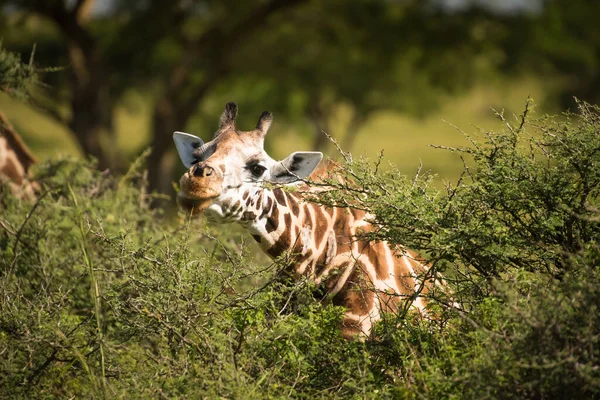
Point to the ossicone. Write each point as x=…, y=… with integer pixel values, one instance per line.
x=264, y=122
x=229, y=115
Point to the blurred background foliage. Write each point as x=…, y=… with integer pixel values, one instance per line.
x=375, y=74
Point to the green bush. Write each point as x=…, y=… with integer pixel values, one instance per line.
x=16, y=78
x=103, y=296
x=517, y=240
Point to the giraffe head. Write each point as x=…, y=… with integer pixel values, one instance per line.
x=233, y=166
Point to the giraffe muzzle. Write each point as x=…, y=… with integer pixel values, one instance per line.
x=199, y=187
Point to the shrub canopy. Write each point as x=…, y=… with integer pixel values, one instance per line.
x=102, y=296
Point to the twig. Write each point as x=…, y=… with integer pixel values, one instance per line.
x=347, y=156
x=524, y=115
x=27, y=217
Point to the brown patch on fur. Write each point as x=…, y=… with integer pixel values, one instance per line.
x=404, y=279
x=257, y=238
x=320, y=228
x=293, y=203
x=272, y=222
x=322, y=233
x=319, y=267
x=329, y=211
x=343, y=235
x=376, y=253
x=388, y=302
x=273, y=251
x=418, y=265
x=302, y=258
x=321, y=263
x=281, y=246
x=325, y=170
x=350, y=328
x=267, y=209
x=355, y=295
x=358, y=215
x=308, y=217
x=280, y=196
x=286, y=235
x=248, y=216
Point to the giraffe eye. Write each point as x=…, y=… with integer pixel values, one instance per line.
x=257, y=170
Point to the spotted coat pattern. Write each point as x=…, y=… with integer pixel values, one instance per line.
x=225, y=182
x=324, y=245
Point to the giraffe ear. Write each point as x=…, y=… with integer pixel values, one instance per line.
x=298, y=165
x=186, y=144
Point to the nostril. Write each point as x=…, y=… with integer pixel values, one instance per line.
x=198, y=170
x=202, y=171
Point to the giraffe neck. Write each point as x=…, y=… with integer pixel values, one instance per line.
x=321, y=244
x=311, y=234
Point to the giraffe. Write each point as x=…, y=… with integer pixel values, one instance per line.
x=15, y=161
x=232, y=179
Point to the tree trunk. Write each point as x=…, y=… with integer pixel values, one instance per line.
x=91, y=123
x=171, y=114
x=161, y=160
x=91, y=116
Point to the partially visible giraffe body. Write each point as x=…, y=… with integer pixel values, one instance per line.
x=324, y=245
x=15, y=161
x=226, y=181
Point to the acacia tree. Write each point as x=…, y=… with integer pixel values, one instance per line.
x=186, y=47
x=369, y=54
x=90, y=102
